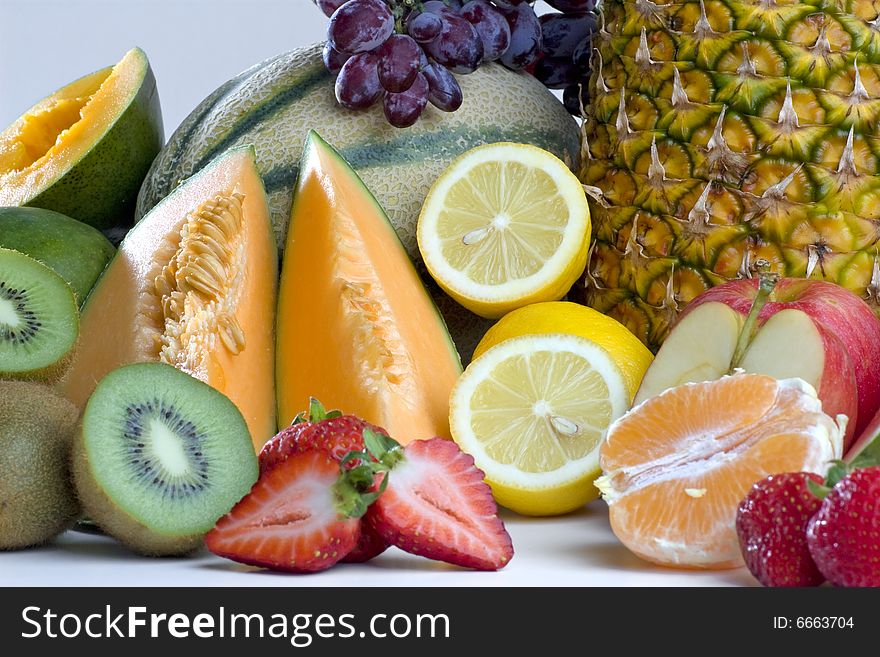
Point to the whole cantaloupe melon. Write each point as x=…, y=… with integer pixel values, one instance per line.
x=274, y=105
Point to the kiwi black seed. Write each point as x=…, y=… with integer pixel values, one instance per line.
x=159, y=457
x=39, y=319
x=37, y=500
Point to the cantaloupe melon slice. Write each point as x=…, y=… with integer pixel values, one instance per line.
x=356, y=328
x=193, y=285
x=84, y=150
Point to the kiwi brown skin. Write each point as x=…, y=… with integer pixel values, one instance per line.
x=114, y=520
x=37, y=500
x=49, y=375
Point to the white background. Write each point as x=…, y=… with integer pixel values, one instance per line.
x=194, y=46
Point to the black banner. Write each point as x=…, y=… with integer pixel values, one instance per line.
x=280, y=621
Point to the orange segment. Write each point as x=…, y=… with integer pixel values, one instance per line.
x=676, y=467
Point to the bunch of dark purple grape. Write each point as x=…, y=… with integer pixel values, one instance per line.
x=405, y=52
x=566, y=50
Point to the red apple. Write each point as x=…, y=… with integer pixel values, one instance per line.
x=810, y=329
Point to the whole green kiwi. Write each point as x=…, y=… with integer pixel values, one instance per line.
x=37, y=500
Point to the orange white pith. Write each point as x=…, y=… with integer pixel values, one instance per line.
x=676, y=466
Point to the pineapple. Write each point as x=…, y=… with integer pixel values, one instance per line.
x=723, y=136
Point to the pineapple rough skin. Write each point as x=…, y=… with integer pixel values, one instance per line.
x=726, y=133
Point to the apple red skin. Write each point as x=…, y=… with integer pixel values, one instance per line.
x=831, y=307
x=839, y=392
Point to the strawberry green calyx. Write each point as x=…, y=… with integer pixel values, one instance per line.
x=317, y=413
x=383, y=449
x=356, y=488
x=839, y=470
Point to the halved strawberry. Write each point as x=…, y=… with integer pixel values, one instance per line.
x=296, y=518
x=436, y=504
x=336, y=435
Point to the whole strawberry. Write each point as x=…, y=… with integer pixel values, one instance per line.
x=336, y=435
x=328, y=431
x=844, y=536
x=771, y=523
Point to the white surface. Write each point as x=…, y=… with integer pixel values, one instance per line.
x=194, y=46
x=575, y=550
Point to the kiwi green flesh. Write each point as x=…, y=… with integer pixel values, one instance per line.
x=37, y=500
x=39, y=319
x=160, y=456
x=118, y=524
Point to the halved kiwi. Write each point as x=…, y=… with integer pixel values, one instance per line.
x=39, y=319
x=37, y=501
x=159, y=457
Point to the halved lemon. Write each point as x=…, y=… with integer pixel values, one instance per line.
x=533, y=411
x=504, y=226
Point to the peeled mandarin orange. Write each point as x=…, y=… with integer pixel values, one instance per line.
x=676, y=466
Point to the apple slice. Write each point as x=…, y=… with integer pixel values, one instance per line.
x=699, y=348
x=790, y=345
x=702, y=347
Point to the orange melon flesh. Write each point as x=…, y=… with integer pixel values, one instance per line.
x=53, y=135
x=356, y=327
x=193, y=285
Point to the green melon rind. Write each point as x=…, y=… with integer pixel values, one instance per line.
x=98, y=471
x=74, y=250
x=101, y=188
x=274, y=104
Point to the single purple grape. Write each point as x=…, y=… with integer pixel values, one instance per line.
x=491, y=26
x=439, y=8
x=360, y=26
x=399, y=59
x=583, y=54
x=458, y=46
x=444, y=93
x=357, y=85
x=561, y=33
x=525, y=37
x=423, y=27
x=333, y=60
x=329, y=6
x=404, y=108
x=556, y=72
